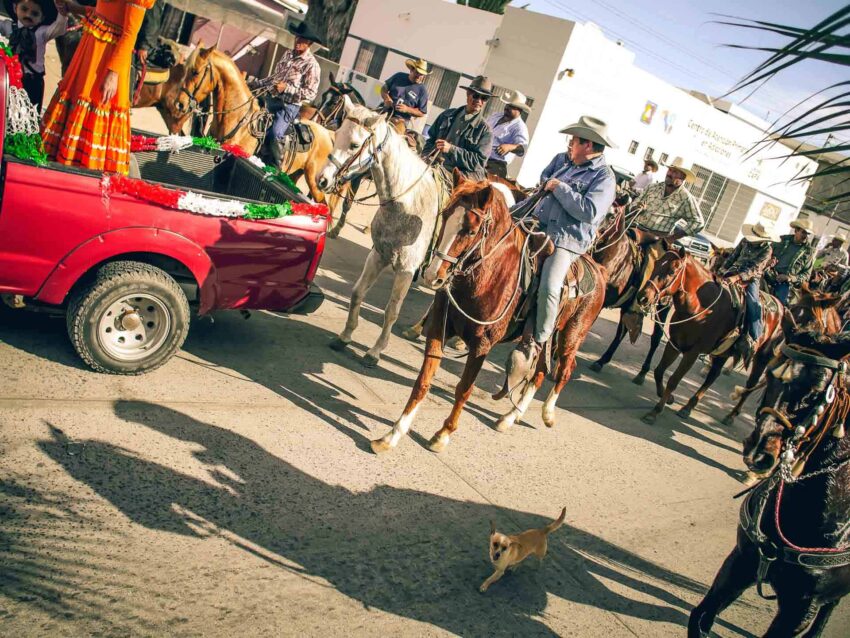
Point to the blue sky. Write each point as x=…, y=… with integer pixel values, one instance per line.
x=678, y=42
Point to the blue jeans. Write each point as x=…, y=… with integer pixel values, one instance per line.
x=553, y=275
x=781, y=292
x=753, y=311
x=283, y=118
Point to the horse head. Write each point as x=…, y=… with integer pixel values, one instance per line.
x=357, y=143
x=667, y=277
x=331, y=109
x=802, y=382
x=815, y=312
x=199, y=79
x=476, y=217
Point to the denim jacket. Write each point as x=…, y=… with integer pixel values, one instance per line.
x=573, y=212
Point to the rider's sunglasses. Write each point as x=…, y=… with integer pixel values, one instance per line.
x=478, y=96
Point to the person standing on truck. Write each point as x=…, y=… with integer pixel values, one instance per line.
x=146, y=41
x=87, y=123
x=34, y=23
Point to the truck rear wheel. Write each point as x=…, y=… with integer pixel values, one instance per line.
x=131, y=319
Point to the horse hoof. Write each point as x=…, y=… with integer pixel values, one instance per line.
x=729, y=419
x=549, y=420
x=369, y=360
x=456, y=343
x=438, y=443
x=684, y=412
x=649, y=418
x=596, y=367
x=639, y=379
x=338, y=344
x=412, y=333
x=670, y=400
x=379, y=446
x=504, y=424
x=368, y=230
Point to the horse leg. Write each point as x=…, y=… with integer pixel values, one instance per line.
x=606, y=357
x=654, y=340
x=760, y=361
x=371, y=269
x=737, y=573
x=413, y=332
x=507, y=421
x=688, y=359
x=795, y=617
x=345, y=192
x=669, y=356
x=565, y=370
x=713, y=372
x=401, y=284
x=316, y=193
x=819, y=625
x=430, y=365
x=463, y=390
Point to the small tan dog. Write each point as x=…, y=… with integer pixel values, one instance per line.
x=509, y=551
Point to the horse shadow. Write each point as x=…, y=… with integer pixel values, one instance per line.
x=410, y=553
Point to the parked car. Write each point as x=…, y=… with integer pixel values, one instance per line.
x=125, y=271
x=699, y=246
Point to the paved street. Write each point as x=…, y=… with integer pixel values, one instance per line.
x=233, y=491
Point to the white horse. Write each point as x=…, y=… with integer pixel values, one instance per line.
x=410, y=199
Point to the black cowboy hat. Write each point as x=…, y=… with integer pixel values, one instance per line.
x=48, y=10
x=480, y=85
x=304, y=30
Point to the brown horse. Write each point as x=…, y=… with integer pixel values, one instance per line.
x=702, y=320
x=476, y=272
x=813, y=312
x=793, y=531
x=621, y=251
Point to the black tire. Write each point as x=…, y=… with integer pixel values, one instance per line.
x=114, y=281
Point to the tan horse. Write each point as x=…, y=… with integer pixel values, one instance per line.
x=211, y=72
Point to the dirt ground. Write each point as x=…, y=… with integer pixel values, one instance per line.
x=233, y=492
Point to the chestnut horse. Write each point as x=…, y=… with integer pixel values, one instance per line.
x=793, y=530
x=813, y=312
x=621, y=251
x=703, y=318
x=477, y=271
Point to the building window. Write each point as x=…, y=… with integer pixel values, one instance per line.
x=663, y=158
x=441, y=85
x=633, y=147
x=370, y=59
x=649, y=153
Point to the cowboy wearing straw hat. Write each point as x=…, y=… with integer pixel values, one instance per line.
x=834, y=254
x=510, y=134
x=794, y=260
x=461, y=135
x=580, y=189
x=295, y=80
x=405, y=94
x=745, y=266
x=667, y=208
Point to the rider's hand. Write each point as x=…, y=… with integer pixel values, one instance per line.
x=402, y=108
x=280, y=86
x=733, y=279
x=504, y=149
x=552, y=184
x=443, y=146
x=110, y=86
x=143, y=55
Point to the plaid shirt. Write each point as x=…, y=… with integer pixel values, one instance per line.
x=660, y=213
x=301, y=74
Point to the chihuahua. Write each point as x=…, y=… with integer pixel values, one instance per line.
x=509, y=551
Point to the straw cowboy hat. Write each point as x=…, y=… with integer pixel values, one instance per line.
x=516, y=100
x=590, y=128
x=758, y=232
x=678, y=164
x=480, y=85
x=840, y=237
x=803, y=224
x=304, y=30
x=420, y=66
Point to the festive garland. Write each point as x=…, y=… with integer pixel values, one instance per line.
x=23, y=139
x=177, y=143
x=197, y=203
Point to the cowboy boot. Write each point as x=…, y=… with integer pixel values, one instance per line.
x=520, y=366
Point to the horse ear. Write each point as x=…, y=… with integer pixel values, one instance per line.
x=457, y=177
x=332, y=77
x=347, y=104
x=683, y=252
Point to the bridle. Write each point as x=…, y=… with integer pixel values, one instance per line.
x=673, y=286
x=194, y=103
x=355, y=166
x=323, y=118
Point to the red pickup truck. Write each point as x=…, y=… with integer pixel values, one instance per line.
x=126, y=271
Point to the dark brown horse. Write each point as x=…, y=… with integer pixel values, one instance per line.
x=794, y=531
x=703, y=319
x=621, y=251
x=813, y=312
x=476, y=272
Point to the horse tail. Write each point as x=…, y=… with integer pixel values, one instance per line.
x=551, y=527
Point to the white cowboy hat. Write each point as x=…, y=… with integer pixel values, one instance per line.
x=678, y=164
x=803, y=224
x=840, y=237
x=420, y=66
x=516, y=100
x=590, y=128
x=758, y=232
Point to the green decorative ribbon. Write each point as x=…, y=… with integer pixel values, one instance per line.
x=280, y=176
x=207, y=143
x=27, y=147
x=267, y=211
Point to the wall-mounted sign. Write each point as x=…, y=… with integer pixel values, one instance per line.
x=648, y=112
x=770, y=211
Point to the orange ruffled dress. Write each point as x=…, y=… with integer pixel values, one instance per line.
x=79, y=128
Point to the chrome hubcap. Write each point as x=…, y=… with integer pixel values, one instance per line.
x=134, y=327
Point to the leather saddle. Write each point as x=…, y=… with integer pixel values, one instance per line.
x=160, y=61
